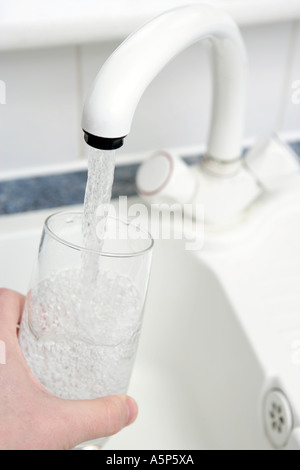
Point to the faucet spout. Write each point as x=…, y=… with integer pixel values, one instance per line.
x=118, y=87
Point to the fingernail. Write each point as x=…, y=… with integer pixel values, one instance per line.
x=132, y=410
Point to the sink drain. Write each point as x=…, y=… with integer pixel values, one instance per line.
x=278, y=418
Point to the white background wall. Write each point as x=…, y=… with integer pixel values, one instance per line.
x=46, y=86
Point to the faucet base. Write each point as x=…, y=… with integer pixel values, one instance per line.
x=221, y=168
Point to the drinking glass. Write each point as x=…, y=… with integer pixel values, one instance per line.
x=83, y=313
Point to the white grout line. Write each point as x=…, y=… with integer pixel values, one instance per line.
x=81, y=164
x=125, y=159
x=32, y=172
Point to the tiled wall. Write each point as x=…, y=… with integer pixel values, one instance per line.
x=45, y=89
x=291, y=118
x=39, y=122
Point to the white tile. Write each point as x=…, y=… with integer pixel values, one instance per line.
x=34, y=23
x=267, y=48
x=92, y=57
x=174, y=110
x=291, y=122
x=40, y=120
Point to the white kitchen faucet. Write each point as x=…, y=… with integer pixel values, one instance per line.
x=224, y=183
x=111, y=104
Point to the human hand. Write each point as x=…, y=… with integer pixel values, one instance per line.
x=33, y=419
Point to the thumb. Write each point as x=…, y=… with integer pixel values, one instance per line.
x=92, y=419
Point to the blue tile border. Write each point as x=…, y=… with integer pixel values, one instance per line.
x=66, y=189
x=296, y=147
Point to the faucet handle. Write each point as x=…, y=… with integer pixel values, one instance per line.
x=165, y=178
x=272, y=162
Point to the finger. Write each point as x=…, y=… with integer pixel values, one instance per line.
x=11, y=307
x=92, y=419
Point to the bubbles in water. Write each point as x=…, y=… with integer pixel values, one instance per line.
x=76, y=352
x=98, y=193
x=101, y=166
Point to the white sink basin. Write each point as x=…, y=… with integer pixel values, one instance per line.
x=219, y=330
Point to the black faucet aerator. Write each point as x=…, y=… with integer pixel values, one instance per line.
x=103, y=143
